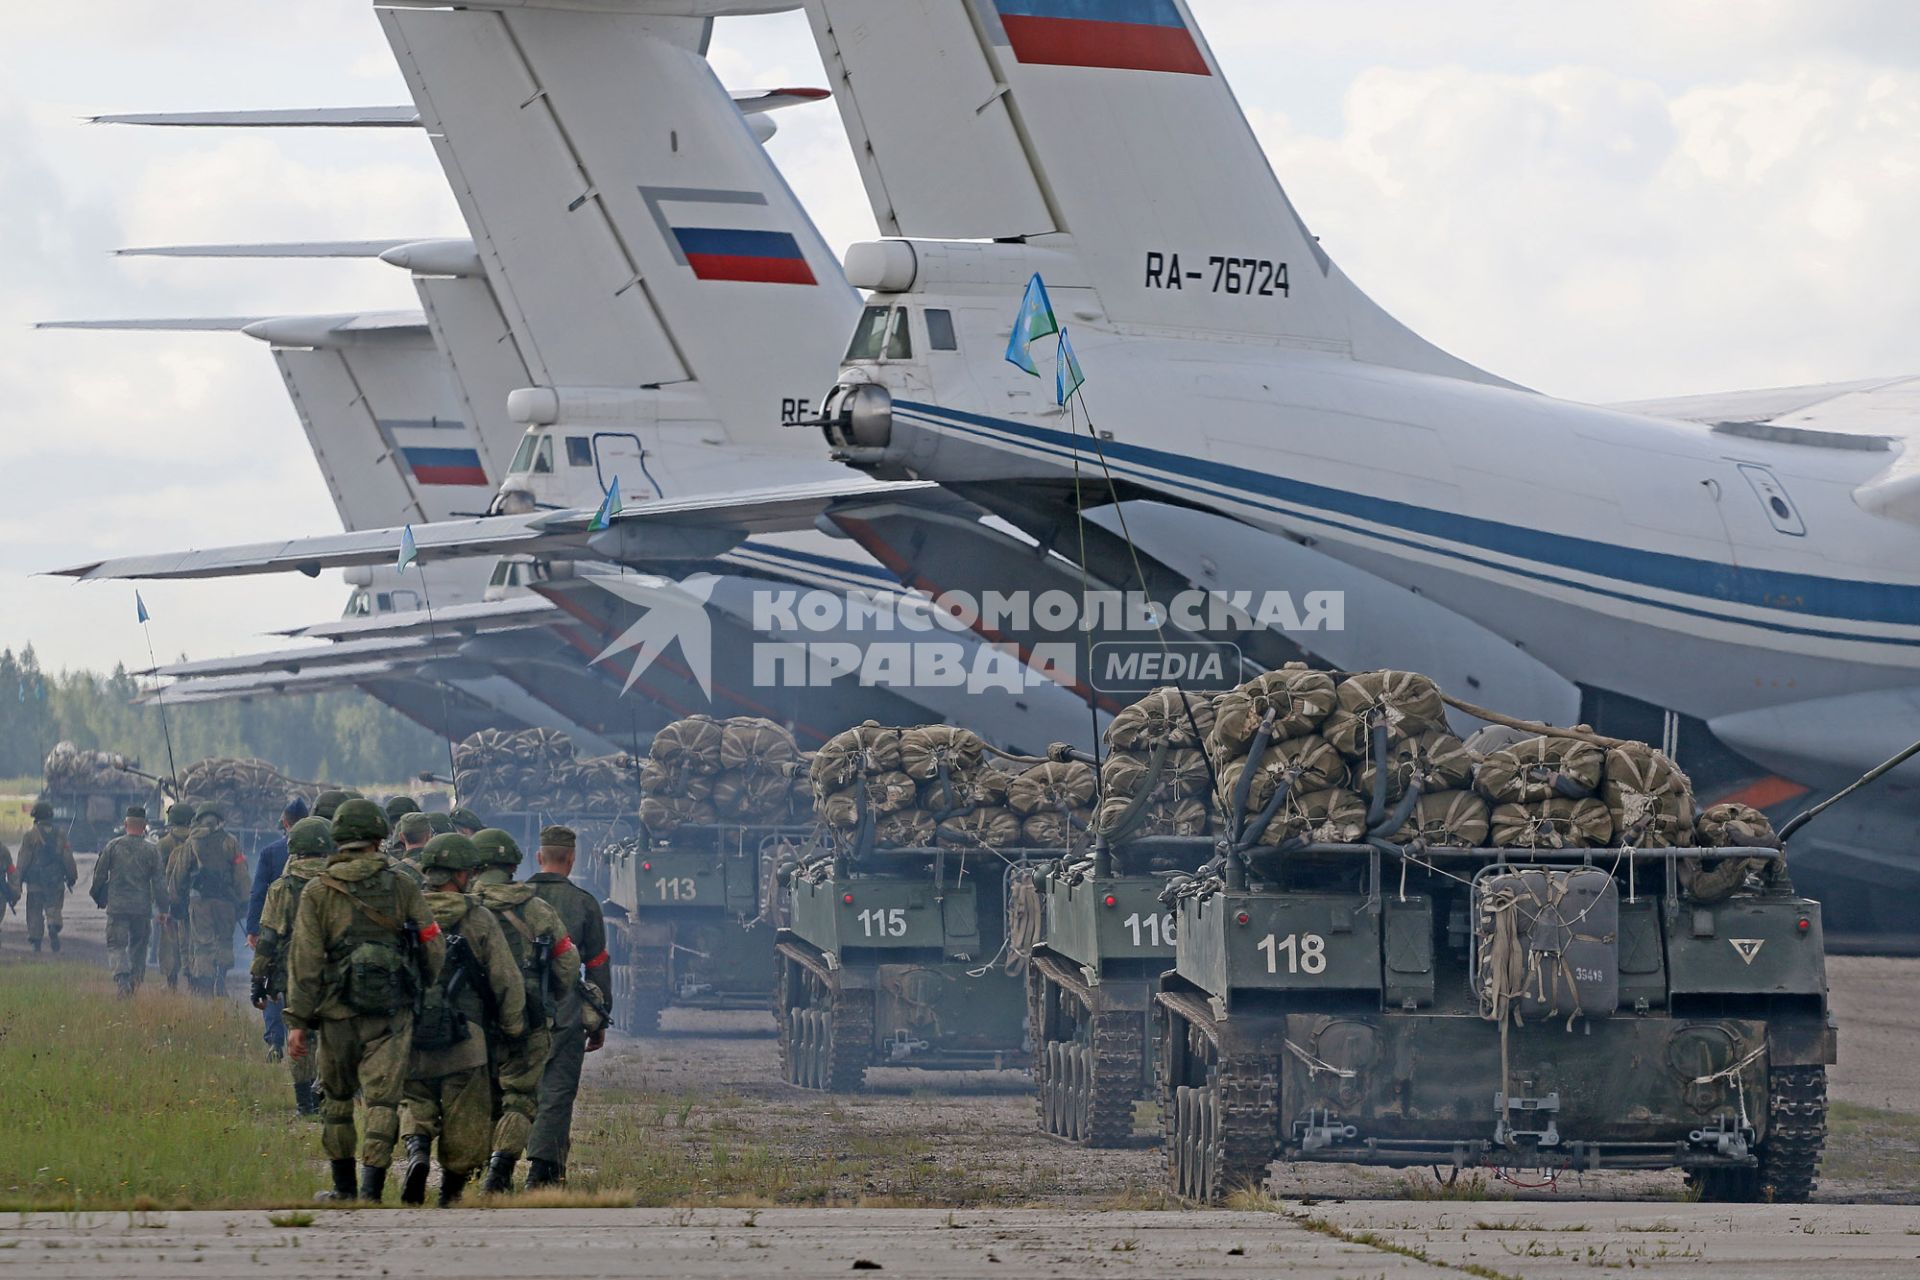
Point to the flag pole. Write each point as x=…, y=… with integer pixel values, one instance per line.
x=410, y=555
x=166, y=729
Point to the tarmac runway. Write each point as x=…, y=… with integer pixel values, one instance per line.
x=1334, y=1240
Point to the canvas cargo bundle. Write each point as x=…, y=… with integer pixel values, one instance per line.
x=1307, y=763
x=1437, y=759
x=1547, y=944
x=251, y=792
x=664, y=813
x=1183, y=772
x=1548, y=767
x=993, y=828
x=1735, y=826
x=1055, y=830
x=678, y=777
x=926, y=750
x=752, y=797
x=985, y=788
x=1448, y=819
x=751, y=745
x=691, y=745
x=863, y=750
x=1169, y=715
x=907, y=829
x=533, y=770
x=1183, y=817
x=1650, y=799
x=1053, y=786
x=1331, y=815
x=1299, y=698
x=1406, y=702
x=72, y=770
x=1553, y=824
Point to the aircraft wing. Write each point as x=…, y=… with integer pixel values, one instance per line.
x=351, y=653
x=649, y=532
x=465, y=619
x=226, y=688
x=750, y=101
x=1764, y=405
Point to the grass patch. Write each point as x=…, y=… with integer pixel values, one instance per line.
x=1870, y=1145
x=161, y=1102
x=291, y=1218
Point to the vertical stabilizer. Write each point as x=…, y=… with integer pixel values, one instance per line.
x=1103, y=128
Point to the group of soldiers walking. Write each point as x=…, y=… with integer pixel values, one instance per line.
x=412, y=970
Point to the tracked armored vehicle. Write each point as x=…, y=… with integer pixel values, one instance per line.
x=1389, y=1005
x=1091, y=979
x=690, y=920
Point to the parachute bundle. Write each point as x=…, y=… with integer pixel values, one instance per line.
x=539, y=771
x=250, y=792
x=1649, y=799
x=1054, y=802
x=1156, y=779
x=701, y=771
x=72, y=770
x=933, y=784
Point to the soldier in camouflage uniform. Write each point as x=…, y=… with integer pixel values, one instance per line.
x=309, y=844
x=580, y=1025
x=410, y=836
x=46, y=871
x=466, y=822
x=209, y=874
x=364, y=944
x=448, y=1090
x=9, y=896
x=129, y=881
x=170, y=929
x=549, y=964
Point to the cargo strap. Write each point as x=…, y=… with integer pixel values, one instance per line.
x=378, y=917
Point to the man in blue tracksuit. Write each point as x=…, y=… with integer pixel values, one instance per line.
x=268, y=865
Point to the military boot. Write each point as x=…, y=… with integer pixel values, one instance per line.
x=542, y=1173
x=343, y=1189
x=500, y=1173
x=451, y=1185
x=373, y=1183
x=413, y=1178
x=53, y=939
x=123, y=986
x=36, y=944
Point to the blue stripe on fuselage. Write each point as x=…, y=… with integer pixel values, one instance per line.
x=1825, y=598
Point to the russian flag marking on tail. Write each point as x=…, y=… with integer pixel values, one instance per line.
x=1129, y=35
x=754, y=257
x=446, y=466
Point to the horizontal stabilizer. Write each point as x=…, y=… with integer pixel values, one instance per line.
x=675, y=529
x=400, y=117
x=305, y=658
x=161, y=324
x=225, y=688
x=292, y=249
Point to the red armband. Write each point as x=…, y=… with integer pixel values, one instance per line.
x=239, y=859
x=597, y=961
x=561, y=947
x=431, y=932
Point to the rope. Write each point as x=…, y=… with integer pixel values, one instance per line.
x=1316, y=1066
x=1534, y=726
x=1735, y=1069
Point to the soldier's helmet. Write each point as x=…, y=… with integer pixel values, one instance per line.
x=400, y=806
x=359, y=822
x=207, y=817
x=179, y=814
x=497, y=848
x=42, y=811
x=450, y=852
x=309, y=838
x=466, y=820
x=327, y=803
x=441, y=823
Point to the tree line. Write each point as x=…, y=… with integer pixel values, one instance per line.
x=346, y=735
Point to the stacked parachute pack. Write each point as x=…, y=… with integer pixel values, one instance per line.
x=1156, y=780
x=700, y=771
x=72, y=770
x=251, y=793
x=537, y=771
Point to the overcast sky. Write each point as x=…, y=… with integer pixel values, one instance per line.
x=1603, y=200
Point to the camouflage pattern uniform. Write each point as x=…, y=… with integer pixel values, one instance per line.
x=309, y=842
x=575, y=1019
x=360, y=923
x=210, y=875
x=531, y=928
x=9, y=894
x=448, y=1092
x=410, y=835
x=130, y=881
x=46, y=870
x=170, y=930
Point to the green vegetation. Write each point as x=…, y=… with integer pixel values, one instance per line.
x=312, y=736
x=156, y=1103
x=1866, y=1144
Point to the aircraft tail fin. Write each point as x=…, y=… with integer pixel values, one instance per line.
x=635, y=233
x=1104, y=128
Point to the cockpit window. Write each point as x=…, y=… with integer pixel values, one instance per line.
x=579, y=451
x=502, y=574
x=881, y=328
x=359, y=605
x=940, y=330
x=543, y=458
x=523, y=456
